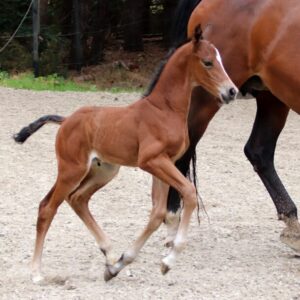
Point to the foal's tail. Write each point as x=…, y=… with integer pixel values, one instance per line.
x=27, y=131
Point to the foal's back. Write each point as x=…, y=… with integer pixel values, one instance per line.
x=116, y=134
x=97, y=129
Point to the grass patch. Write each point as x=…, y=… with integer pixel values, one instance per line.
x=57, y=83
x=118, y=90
x=49, y=83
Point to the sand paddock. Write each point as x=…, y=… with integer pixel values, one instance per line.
x=234, y=255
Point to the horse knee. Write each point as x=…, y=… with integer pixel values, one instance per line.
x=260, y=157
x=77, y=201
x=157, y=218
x=44, y=209
x=45, y=214
x=189, y=196
x=161, y=215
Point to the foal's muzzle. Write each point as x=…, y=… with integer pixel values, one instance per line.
x=229, y=94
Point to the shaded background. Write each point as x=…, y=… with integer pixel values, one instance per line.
x=103, y=25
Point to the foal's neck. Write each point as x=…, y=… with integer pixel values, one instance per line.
x=174, y=87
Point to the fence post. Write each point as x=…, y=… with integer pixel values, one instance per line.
x=36, y=32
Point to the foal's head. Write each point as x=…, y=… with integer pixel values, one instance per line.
x=208, y=70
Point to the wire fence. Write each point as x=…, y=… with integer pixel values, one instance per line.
x=19, y=26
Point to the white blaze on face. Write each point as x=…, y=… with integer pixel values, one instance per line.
x=224, y=85
x=219, y=59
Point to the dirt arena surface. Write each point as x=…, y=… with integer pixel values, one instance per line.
x=236, y=254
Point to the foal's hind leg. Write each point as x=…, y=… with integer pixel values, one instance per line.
x=47, y=211
x=159, y=200
x=98, y=177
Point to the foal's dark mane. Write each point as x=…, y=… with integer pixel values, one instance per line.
x=161, y=66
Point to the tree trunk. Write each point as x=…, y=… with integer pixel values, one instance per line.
x=168, y=15
x=133, y=25
x=77, y=43
x=99, y=29
x=44, y=12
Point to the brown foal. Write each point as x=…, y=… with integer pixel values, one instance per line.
x=151, y=133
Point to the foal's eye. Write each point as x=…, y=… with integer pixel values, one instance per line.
x=207, y=64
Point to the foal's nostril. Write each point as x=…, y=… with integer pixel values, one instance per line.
x=229, y=95
x=232, y=92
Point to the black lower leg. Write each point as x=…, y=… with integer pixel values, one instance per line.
x=270, y=119
x=284, y=204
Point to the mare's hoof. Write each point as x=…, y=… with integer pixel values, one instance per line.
x=164, y=268
x=291, y=238
x=109, y=273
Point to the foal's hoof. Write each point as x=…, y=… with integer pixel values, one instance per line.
x=109, y=273
x=37, y=278
x=164, y=268
x=169, y=243
x=291, y=238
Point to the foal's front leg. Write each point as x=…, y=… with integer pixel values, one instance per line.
x=164, y=169
x=158, y=213
x=171, y=220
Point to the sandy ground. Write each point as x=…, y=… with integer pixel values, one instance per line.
x=235, y=255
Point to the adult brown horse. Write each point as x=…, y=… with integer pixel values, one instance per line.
x=259, y=41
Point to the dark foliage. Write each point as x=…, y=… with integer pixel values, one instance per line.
x=99, y=22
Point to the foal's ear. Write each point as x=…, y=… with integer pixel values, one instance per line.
x=198, y=35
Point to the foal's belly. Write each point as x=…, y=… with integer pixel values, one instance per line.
x=118, y=150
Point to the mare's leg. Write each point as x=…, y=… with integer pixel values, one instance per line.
x=48, y=207
x=202, y=110
x=164, y=169
x=158, y=213
x=270, y=120
x=99, y=175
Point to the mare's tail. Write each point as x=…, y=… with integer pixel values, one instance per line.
x=181, y=18
x=27, y=131
x=178, y=36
